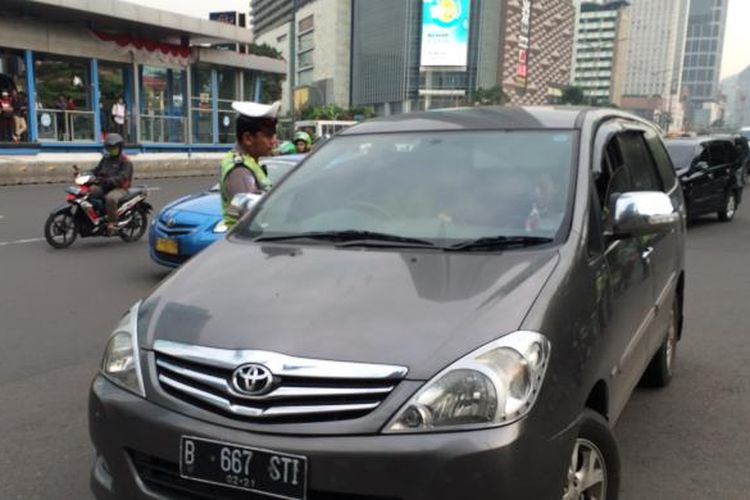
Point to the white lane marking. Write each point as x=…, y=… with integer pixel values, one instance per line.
x=20, y=242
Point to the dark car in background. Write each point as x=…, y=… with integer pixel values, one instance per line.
x=710, y=171
x=432, y=306
x=189, y=224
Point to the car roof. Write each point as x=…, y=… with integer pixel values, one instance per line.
x=697, y=141
x=475, y=118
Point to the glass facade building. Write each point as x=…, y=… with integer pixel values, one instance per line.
x=703, y=53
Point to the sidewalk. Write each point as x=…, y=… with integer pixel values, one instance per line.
x=57, y=167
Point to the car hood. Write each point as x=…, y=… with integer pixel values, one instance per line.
x=421, y=310
x=205, y=203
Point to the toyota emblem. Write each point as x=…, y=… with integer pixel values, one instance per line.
x=252, y=379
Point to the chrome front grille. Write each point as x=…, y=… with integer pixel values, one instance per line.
x=176, y=229
x=304, y=389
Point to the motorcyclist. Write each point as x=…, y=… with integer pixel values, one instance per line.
x=113, y=176
x=286, y=148
x=302, y=141
x=256, y=137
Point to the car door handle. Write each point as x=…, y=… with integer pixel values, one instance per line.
x=646, y=253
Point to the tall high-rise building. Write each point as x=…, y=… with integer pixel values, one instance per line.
x=600, y=49
x=656, y=45
x=418, y=54
x=322, y=49
x=703, y=50
x=270, y=14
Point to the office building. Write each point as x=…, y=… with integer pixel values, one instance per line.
x=322, y=47
x=702, y=63
x=413, y=55
x=270, y=14
x=656, y=43
x=600, y=49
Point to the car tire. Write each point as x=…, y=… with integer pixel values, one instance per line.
x=60, y=229
x=600, y=479
x=726, y=214
x=661, y=368
x=136, y=227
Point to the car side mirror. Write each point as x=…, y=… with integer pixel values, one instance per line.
x=242, y=203
x=639, y=213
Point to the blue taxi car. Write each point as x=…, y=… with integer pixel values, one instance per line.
x=189, y=224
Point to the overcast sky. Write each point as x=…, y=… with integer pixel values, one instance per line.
x=736, y=49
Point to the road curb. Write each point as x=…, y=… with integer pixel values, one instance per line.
x=45, y=172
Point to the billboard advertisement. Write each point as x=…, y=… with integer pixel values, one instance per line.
x=224, y=17
x=524, y=44
x=445, y=33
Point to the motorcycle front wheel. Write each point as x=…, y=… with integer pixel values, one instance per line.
x=135, y=228
x=60, y=229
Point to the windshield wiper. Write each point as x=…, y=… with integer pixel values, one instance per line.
x=499, y=243
x=351, y=237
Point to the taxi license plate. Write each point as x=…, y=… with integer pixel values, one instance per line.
x=252, y=469
x=165, y=245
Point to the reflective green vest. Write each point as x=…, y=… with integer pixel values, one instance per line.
x=233, y=160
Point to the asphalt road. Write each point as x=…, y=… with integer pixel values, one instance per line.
x=57, y=308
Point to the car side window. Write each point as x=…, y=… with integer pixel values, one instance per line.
x=640, y=164
x=662, y=159
x=717, y=153
x=613, y=179
x=703, y=156
x=730, y=152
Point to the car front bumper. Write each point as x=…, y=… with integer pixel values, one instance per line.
x=188, y=244
x=137, y=454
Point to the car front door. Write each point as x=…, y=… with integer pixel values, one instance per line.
x=721, y=172
x=629, y=284
x=697, y=182
x=665, y=247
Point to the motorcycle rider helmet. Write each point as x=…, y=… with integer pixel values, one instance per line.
x=304, y=137
x=113, y=144
x=286, y=148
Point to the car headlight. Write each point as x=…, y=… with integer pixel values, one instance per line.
x=494, y=385
x=220, y=227
x=121, y=363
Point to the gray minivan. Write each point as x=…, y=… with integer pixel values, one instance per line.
x=438, y=305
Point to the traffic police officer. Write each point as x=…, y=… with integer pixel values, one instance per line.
x=256, y=137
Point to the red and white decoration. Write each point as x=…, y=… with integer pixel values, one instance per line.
x=146, y=50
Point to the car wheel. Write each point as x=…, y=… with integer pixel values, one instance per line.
x=594, y=469
x=661, y=368
x=726, y=214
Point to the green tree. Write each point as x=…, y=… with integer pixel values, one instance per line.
x=264, y=50
x=333, y=112
x=488, y=97
x=573, y=95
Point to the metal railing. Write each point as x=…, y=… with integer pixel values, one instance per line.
x=66, y=126
x=163, y=128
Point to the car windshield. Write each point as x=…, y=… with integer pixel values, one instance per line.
x=443, y=187
x=682, y=154
x=745, y=133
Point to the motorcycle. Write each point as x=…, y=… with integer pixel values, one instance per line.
x=84, y=214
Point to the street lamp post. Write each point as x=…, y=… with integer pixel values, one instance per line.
x=292, y=60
